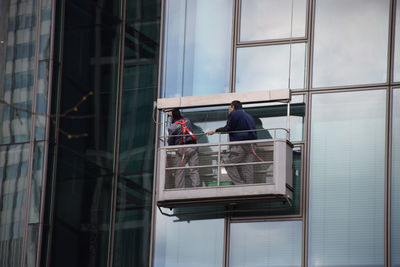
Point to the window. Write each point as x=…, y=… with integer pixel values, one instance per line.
x=352, y=50
x=347, y=179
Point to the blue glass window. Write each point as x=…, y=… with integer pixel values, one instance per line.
x=351, y=42
x=347, y=179
x=265, y=244
x=197, y=47
x=395, y=197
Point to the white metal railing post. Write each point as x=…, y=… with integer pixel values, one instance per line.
x=219, y=159
x=288, y=121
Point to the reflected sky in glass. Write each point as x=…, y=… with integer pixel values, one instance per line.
x=195, y=243
x=347, y=179
x=267, y=67
x=397, y=46
x=272, y=19
x=197, y=47
x=395, y=223
x=265, y=244
x=351, y=42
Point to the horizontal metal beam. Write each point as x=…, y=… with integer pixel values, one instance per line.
x=283, y=95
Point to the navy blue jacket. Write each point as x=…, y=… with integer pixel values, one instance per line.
x=239, y=120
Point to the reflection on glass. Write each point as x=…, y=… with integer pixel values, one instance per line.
x=265, y=244
x=269, y=67
x=396, y=77
x=36, y=183
x=194, y=243
x=395, y=197
x=352, y=50
x=136, y=155
x=272, y=19
x=41, y=100
x=82, y=202
x=32, y=245
x=14, y=161
x=347, y=179
x=17, y=56
x=197, y=47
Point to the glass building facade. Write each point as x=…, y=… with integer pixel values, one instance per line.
x=80, y=130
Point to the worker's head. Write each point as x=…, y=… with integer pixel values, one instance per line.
x=235, y=105
x=175, y=114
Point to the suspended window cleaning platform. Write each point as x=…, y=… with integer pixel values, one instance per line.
x=222, y=172
x=225, y=172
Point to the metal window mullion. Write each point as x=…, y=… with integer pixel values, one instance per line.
x=56, y=126
x=235, y=40
x=117, y=137
x=47, y=134
x=32, y=135
x=156, y=141
x=304, y=204
x=388, y=172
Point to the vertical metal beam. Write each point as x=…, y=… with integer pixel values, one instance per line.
x=227, y=230
x=389, y=121
x=235, y=40
x=117, y=135
x=156, y=141
x=47, y=134
x=32, y=134
x=307, y=128
x=57, y=135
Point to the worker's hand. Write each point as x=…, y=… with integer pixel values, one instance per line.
x=210, y=132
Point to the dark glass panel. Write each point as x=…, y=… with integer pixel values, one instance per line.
x=143, y=10
x=136, y=157
x=89, y=87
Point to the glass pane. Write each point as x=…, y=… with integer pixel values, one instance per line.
x=143, y=10
x=45, y=28
x=136, y=155
x=14, y=160
x=395, y=215
x=272, y=19
x=269, y=67
x=41, y=101
x=194, y=243
x=347, y=179
x=352, y=50
x=265, y=244
x=396, y=77
x=17, y=63
x=36, y=183
x=197, y=49
x=89, y=87
x=32, y=245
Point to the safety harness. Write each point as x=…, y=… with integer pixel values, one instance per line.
x=185, y=130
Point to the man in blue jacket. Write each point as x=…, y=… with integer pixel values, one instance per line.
x=239, y=120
